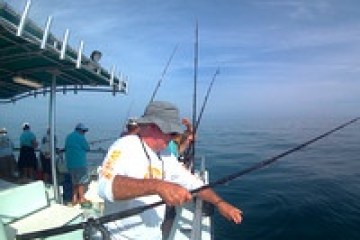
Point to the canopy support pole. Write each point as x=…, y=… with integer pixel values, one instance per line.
x=52, y=138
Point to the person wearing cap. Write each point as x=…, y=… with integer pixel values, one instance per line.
x=132, y=127
x=76, y=147
x=27, y=158
x=133, y=175
x=7, y=159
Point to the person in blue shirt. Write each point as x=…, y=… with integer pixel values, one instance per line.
x=180, y=142
x=76, y=147
x=27, y=159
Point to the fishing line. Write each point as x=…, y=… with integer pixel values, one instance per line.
x=151, y=99
x=102, y=140
x=138, y=210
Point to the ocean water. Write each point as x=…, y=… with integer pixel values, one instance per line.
x=311, y=194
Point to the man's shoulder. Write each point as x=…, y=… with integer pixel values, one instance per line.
x=128, y=139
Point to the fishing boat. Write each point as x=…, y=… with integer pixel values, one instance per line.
x=33, y=62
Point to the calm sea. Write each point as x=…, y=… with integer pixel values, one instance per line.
x=311, y=194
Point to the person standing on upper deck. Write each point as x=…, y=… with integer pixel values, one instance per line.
x=27, y=159
x=76, y=147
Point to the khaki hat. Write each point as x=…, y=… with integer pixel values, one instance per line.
x=163, y=114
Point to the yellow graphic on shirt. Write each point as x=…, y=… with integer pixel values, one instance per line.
x=108, y=166
x=153, y=173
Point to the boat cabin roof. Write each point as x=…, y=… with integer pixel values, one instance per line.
x=30, y=57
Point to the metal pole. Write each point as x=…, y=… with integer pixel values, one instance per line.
x=52, y=138
x=196, y=54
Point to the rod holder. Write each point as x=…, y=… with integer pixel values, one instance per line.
x=46, y=32
x=64, y=44
x=23, y=19
x=79, y=56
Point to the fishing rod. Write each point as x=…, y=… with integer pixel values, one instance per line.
x=97, y=223
x=163, y=74
x=151, y=99
x=102, y=140
x=197, y=123
x=206, y=99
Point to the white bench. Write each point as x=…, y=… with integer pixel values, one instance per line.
x=26, y=208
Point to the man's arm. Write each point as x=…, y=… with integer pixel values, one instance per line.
x=125, y=188
x=226, y=209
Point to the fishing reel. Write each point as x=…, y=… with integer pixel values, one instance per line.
x=94, y=230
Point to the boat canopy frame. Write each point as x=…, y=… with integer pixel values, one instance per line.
x=33, y=55
x=34, y=62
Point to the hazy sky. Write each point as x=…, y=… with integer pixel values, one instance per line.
x=276, y=57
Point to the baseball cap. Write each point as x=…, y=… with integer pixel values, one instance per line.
x=82, y=127
x=26, y=125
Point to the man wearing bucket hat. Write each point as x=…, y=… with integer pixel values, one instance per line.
x=133, y=175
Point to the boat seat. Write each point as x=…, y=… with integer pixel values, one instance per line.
x=26, y=208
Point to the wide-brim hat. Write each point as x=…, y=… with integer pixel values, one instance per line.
x=164, y=114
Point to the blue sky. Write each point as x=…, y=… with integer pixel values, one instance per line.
x=276, y=57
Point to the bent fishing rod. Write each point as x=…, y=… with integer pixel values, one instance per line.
x=163, y=73
x=98, y=223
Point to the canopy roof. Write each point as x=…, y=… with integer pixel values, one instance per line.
x=29, y=54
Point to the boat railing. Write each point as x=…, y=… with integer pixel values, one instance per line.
x=198, y=213
x=95, y=157
x=190, y=221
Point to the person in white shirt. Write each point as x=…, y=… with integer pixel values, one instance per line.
x=45, y=156
x=7, y=159
x=133, y=175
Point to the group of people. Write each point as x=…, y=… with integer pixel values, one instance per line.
x=27, y=163
x=27, y=166
x=141, y=167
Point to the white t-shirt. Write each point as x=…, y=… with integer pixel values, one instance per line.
x=6, y=146
x=127, y=157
